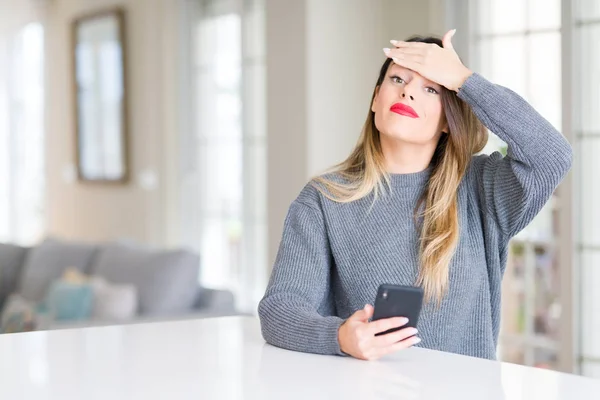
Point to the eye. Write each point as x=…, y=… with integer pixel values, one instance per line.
x=431, y=90
x=397, y=79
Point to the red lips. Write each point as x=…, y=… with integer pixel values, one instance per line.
x=403, y=109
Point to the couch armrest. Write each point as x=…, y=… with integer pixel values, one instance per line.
x=215, y=300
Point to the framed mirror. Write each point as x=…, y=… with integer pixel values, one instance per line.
x=99, y=84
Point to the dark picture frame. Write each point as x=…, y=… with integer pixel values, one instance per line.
x=99, y=82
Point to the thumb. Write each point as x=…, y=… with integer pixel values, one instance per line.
x=447, y=39
x=363, y=314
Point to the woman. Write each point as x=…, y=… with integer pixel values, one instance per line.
x=413, y=204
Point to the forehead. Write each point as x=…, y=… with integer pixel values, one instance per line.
x=397, y=69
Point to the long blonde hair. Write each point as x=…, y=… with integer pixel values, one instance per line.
x=364, y=172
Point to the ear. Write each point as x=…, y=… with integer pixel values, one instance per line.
x=374, y=103
x=445, y=128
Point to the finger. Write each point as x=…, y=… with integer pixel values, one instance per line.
x=414, y=66
x=369, y=311
x=408, y=50
x=383, y=325
x=360, y=315
x=397, y=54
x=405, y=344
x=417, y=45
x=447, y=39
x=363, y=314
x=394, y=337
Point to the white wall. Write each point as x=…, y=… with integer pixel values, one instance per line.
x=344, y=53
x=323, y=58
x=14, y=15
x=322, y=62
x=103, y=212
x=286, y=111
x=404, y=18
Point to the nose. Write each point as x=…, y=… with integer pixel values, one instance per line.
x=404, y=95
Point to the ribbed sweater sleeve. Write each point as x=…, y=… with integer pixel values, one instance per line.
x=514, y=188
x=294, y=310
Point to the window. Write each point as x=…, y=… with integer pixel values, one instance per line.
x=518, y=44
x=224, y=151
x=586, y=69
x=22, y=136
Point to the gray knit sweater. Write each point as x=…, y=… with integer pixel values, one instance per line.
x=332, y=256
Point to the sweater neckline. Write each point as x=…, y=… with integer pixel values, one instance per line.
x=410, y=179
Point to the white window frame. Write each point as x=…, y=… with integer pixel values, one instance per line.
x=581, y=359
x=249, y=281
x=461, y=14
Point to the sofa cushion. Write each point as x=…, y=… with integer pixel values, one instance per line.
x=46, y=263
x=166, y=281
x=113, y=301
x=11, y=263
x=217, y=300
x=70, y=301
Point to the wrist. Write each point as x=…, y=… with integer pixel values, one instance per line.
x=462, y=77
x=341, y=336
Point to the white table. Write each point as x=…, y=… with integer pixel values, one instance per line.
x=226, y=358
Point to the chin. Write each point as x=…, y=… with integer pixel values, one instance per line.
x=406, y=137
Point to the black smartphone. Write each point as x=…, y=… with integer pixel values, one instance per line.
x=398, y=301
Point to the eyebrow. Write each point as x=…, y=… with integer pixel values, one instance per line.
x=397, y=69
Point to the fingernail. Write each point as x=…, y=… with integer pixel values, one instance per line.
x=394, y=59
x=453, y=32
x=394, y=42
x=403, y=320
x=417, y=340
x=386, y=50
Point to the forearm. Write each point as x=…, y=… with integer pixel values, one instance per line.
x=297, y=310
x=515, y=187
x=289, y=323
x=531, y=139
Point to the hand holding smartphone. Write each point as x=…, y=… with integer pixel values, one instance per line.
x=398, y=301
x=370, y=334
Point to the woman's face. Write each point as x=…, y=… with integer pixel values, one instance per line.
x=408, y=107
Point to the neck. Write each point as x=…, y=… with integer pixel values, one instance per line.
x=405, y=158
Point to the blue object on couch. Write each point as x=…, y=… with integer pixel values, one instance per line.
x=46, y=263
x=69, y=301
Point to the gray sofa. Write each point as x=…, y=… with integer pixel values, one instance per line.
x=166, y=280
